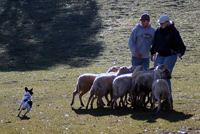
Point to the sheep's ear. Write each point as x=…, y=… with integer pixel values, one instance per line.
x=26, y=89
x=133, y=67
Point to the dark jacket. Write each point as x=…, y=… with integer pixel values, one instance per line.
x=167, y=42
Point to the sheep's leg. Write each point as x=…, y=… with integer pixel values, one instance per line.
x=128, y=101
x=111, y=104
x=144, y=104
x=115, y=102
x=120, y=101
x=135, y=99
x=140, y=98
x=89, y=101
x=74, y=94
x=100, y=101
x=151, y=99
x=80, y=97
x=170, y=104
x=111, y=96
x=147, y=94
x=131, y=99
x=91, y=105
x=108, y=102
x=159, y=105
x=154, y=101
x=125, y=99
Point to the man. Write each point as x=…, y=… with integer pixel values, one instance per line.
x=140, y=42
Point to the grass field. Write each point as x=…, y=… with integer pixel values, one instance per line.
x=47, y=44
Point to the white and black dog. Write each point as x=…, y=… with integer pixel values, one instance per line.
x=26, y=101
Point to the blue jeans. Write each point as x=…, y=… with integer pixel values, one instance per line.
x=170, y=62
x=142, y=61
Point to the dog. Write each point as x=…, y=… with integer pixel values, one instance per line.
x=26, y=101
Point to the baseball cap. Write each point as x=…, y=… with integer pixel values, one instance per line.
x=163, y=19
x=145, y=16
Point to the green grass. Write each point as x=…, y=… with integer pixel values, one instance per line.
x=47, y=44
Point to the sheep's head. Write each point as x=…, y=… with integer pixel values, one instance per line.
x=162, y=66
x=139, y=68
x=164, y=73
x=113, y=69
x=157, y=74
x=123, y=70
x=131, y=68
x=167, y=74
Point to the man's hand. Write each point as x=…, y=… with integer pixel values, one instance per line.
x=152, y=58
x=180, y=55
x=138, y=55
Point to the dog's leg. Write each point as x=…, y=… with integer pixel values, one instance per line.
x=29, y=106
x=19, y=109
x=28, y=109
x=19, y=113
x=20, y=106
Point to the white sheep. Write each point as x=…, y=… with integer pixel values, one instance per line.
x=143, y=82
x=160, y=90
x=113, y=69
x=122, y=85
x=85, y=82
x=103, y=85
x=83, y=85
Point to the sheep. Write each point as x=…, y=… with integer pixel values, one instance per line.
x=85, y=82
x=143, y=82
x=160, y=90
x=122, y=86
x=113, y=69
x=102, y=86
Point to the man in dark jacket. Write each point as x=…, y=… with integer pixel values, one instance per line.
x=167, y=43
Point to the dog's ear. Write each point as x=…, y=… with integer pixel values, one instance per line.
x=31, y=89
x=26, y=89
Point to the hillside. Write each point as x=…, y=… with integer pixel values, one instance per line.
x=40, y=34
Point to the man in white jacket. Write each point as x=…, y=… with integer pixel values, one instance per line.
x=140, y=42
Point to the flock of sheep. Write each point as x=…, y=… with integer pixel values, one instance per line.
x=122, y=82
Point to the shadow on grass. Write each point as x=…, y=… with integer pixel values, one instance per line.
x=36, y=35
x=103, y=111
x=24, y=118
x=151, y=117
x=136, y=114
